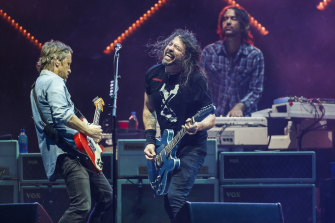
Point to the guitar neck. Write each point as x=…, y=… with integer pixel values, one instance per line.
x=96, y=115
x=199, y=116
x=175, y=141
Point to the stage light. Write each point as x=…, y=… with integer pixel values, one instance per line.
x=137, y=24
x=260, y=28
x=323, y=4
x=20, y=29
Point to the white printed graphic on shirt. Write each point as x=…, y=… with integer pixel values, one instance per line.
x=167, y=112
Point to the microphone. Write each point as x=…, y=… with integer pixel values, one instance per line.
x=118, y=46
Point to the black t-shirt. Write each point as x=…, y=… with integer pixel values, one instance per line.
x=174, y=103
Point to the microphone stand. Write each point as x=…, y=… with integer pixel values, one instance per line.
x=114, y=98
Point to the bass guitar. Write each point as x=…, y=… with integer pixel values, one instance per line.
x=87, y=145
x=165, y=161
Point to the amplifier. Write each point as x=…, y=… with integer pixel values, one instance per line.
x=32, y=169
x=229, y=212
x=9, y=151
x=9, y=191
x=53, y=198
x=243, y=167
x=26, y=212
x=132, y=163
x=297, y=200
x=327, y=200
x=137, y=203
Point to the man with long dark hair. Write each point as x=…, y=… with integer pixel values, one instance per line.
x=234, y=66
x=56, y=124
x=175, y=91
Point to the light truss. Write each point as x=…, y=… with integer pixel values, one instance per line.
x=137, y=24
x=323, y=4
x=20, y=29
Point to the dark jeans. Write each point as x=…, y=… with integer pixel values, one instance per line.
x=182, y=180
x=80, y=183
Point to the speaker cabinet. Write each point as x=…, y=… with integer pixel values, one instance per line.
x=9, y=191
x=267, y=167
x=297, y=200
x=24, y=213
x=53, y=198
x=32, y=169
x=137, y=203
x=9, y=151
x=132, y=163
x=327, y=201
x=215, y=212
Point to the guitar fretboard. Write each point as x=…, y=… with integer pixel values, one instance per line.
x=197, y=117
x=97, y=115
x=175, y=141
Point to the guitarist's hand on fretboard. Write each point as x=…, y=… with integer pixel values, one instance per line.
x=94, y=131
x=191, y=127
x=149, y=152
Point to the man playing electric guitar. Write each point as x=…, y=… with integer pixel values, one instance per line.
x=54, y=112
x=176, y=90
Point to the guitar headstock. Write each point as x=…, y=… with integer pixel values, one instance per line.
x=99, y=103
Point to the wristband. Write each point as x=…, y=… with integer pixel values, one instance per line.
x=150, y=136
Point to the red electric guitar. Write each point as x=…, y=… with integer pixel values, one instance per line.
x=87, y=146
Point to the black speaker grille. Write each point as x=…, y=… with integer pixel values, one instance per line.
x=32, y=168
x=138, y=204
x=298, y=201
x=7, y=193
x=54, y=199
x=268, y=166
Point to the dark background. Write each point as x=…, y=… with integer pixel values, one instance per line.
x=299, y=50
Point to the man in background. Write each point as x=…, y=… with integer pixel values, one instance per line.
x=234, y=66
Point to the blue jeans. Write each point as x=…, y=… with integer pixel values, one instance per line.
x=80, y=183
x=182, y=180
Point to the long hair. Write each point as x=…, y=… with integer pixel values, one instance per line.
x=52, y=50
x=244, y=20
x=190, y=61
